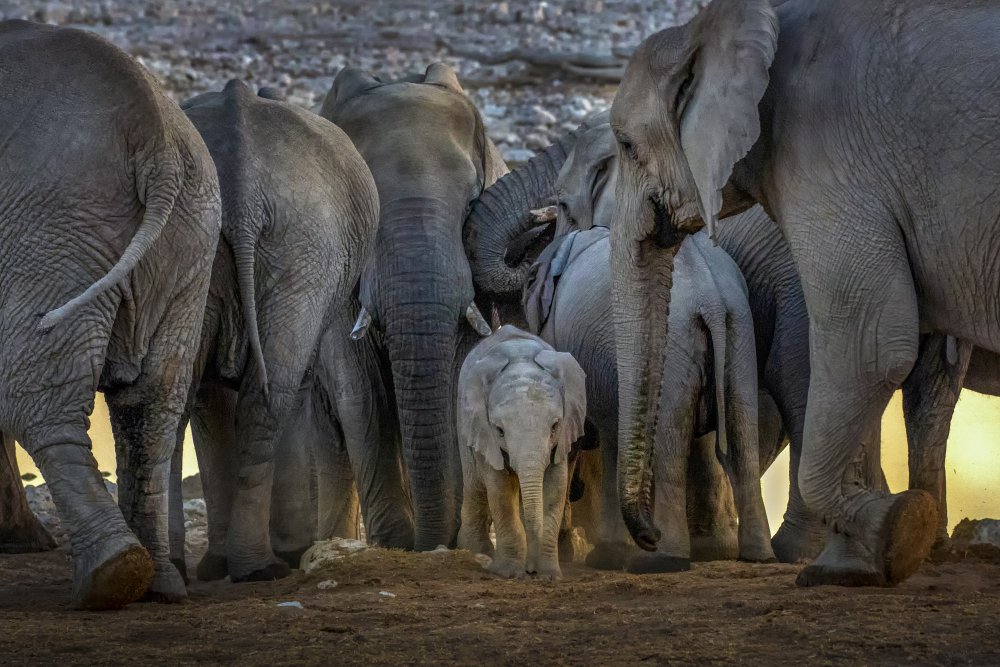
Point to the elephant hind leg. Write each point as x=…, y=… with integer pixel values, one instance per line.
x=863, y=336
x=20, y=530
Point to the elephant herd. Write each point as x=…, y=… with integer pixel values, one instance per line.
x=790, y=212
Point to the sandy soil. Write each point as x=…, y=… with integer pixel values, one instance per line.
x=446, y=609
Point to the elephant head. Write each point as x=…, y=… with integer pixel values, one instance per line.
x=426, y=146
x=685, y=114
x=585, y=189
x=523, y=407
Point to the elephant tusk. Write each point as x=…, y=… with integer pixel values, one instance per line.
x=477, y=321
x=361, y=326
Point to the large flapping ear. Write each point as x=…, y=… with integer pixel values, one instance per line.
x=731, y=46
x=564, y=368
x=474, y=427
x=441, y=74
x=349, y=82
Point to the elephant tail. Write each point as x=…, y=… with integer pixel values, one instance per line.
x=717, y=329
x=161, y=193
x=244, y=253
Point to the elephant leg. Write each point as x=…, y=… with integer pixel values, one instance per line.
x=474, y=532
x=503, y=496
x=613, y=546
x=353, y=381
x=213, y=426
x=20, y=530
x=176, y=504
x=339, y=506
x=712, y=523
x=864, y=339
x=293, y=501
x=146, y=437
x=770, y=430
x=930, y=394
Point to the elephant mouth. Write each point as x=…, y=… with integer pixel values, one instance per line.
x=667, y=231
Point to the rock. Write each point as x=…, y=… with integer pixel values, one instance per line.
x=294, y=604
x=191, y=487
x=972, y=532
x=328, y=551
x=327, y=585
x=517, y=156
x=386, y=594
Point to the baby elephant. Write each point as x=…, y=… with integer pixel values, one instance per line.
x=521, y=407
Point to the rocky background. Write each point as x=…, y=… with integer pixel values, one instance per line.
x=534, y=68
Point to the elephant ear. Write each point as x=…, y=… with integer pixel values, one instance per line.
x=732, y=45
x=474, y=428
x=564, y=368
x=349, y=82
x=440, y=74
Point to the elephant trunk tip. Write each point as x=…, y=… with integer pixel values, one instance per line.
x=643, y=532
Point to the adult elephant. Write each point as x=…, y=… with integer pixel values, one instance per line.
x=425, y=144
x=580, y=171
x=110, y=221
x=822, y=111
x=710, y=386
x=299, y=216
x=20, y=530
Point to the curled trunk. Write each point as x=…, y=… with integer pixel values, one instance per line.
x=642, y=278
x=503, y=212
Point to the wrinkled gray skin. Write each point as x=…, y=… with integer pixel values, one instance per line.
x=102, y=174
x=299, y=216
x=521, y=406
x=930, y=393
x=426, y=147
x=710, y=385
x=20, y=531
x=889, y=241
x=586, y=194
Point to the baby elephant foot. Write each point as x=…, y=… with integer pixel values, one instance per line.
x=657, y=563
x=212, y=567
x=508, y=569
x=167, y=586
x=548, y=573
x=116, y=577
x=273, y=571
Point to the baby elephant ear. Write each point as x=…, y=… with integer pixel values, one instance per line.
x=564, y=368
x=349, y=82
x=474, y=428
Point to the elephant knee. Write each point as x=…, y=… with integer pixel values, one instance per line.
x=896, y=359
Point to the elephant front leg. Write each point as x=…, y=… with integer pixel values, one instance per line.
x=145, y=437
x=20, y=530
x=176, y=504
x=474, y=533
x=511, y=551
x=339, y=504
x=930, y=394
x=613, y=546
x=863, y=337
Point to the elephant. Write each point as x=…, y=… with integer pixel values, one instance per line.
x=110, y=223
x=425, y=144
x=20, y=530
x=521, y=406
x=299, y=217
x=943, y=368
x=580, y=171
x=710, y=385
x=824, y=112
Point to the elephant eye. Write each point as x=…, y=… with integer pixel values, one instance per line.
x=555, y=426
x=500, y=431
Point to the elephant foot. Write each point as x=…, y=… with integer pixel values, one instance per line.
x=212, y=567
x=29, y=539
x=723, y=545
x=567, y=554
x=274, y=571
x=293, y=558
x=798, y=542
x=902, y=541
x=118, y=579
x=167, y=586
x=757, y=550
x=548, y=573
x=609, y=556
x=657, y=563
x=508, y=569
x=182, y=567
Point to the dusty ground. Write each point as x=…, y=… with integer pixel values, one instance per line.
x=446, y=609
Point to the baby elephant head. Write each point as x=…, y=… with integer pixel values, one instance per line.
x=524, y=414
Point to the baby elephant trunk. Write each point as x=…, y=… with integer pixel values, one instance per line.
x=532, y=481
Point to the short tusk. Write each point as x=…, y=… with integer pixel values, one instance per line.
x=477, y=320
x=543, y=215
x=361, y=326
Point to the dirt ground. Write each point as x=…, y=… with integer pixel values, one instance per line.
x=446, y=609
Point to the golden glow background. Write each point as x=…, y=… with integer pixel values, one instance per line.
x=973, y=458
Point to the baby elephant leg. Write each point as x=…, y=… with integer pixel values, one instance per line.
x=503, y=496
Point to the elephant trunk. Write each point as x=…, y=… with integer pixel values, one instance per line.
x=532, y=481
x=641, y=282
x=503, y=212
